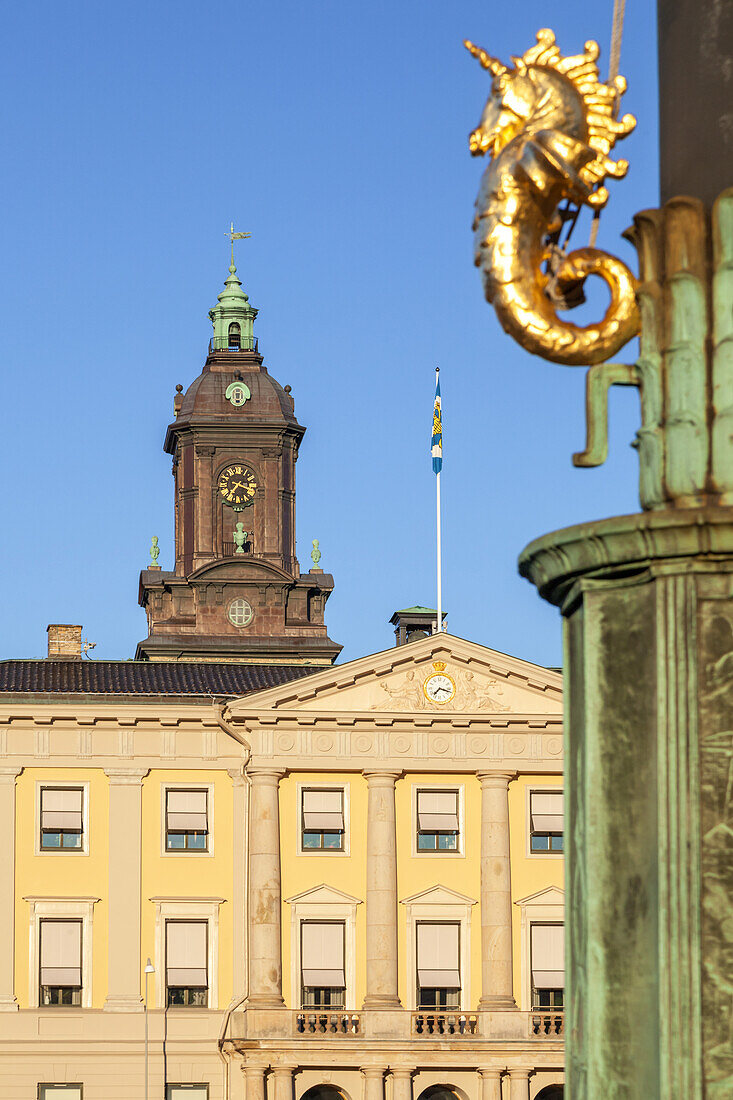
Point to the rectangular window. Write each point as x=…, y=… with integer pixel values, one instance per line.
x=63, y=1092
x=62, y=818
x=60, y=953
x=438, y=969
x=548, y=965
x=323, y=976
x=186, y=821
x=437, y=821
x=546, y=821
x=187, y=1092
x=186, y=961
x=322, y=819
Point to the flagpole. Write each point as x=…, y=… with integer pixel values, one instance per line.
x=439, y=563
x=440, y=578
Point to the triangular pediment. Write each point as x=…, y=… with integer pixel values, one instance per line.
x=483, y=681
x=438, y=895
x=323, y=895
x=552, y=895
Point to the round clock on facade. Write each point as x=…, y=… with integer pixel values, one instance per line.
x=237, y=486
x=440, y=687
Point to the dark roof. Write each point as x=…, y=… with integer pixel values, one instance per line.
x=145, y=677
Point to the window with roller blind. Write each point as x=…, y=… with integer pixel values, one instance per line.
x=187, y=820
x=323, y=975
x=547, y=946
x=186, y=1092
x=60, y=1092
x=322, y=819
x=438, y=966
x=438, y=820
x=62, y=819
x=186, y=963
x=546, y=823
x=60, y=962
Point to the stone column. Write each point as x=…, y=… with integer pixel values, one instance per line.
x=402, y=1082
x=282, y=1082
x=373, y=1082
x=254, y=1080
x=490, y=1082
x=124, y=897
x=381, y=892
x=519, y=1084
x=265, y=947
x=8, y=776
x=239, y=896
x=496, y=893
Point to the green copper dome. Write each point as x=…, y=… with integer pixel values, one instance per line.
x=233, y=318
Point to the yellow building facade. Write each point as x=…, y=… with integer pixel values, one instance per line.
x=345, y=887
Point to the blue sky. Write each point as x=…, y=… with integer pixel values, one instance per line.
x=335, y=133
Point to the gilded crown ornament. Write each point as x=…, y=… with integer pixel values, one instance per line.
x=549, y=126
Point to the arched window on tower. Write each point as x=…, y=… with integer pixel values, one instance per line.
x=235, y=336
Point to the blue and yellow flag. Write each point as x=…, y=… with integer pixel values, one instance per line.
x=437, y=446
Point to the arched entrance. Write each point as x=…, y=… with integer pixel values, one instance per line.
x=441, y=1092
x=551, y=1092
x=325, y=1092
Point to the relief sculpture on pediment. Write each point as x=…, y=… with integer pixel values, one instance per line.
x=472, y=693
x=404, y=695
x=479, y=694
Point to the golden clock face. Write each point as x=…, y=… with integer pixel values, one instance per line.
x=439, y=688
x=237, y=486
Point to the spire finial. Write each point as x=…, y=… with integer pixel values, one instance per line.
x=235, y=237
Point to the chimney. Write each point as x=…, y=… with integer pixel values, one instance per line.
x=64, y=642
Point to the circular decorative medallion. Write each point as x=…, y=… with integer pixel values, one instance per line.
x=441, y=745
x=439, y=687
x=237, y=393
x=324, y=743
x=478, y=745
x=240, y=613
x=363, y=744
x=516, y=745
x=554, y=746
x=285, y=742
x=402, y=744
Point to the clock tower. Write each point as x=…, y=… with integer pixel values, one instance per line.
x=236, y=592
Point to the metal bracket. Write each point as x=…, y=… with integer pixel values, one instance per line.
x=598, y=381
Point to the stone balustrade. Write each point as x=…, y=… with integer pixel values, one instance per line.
x=396, y=1025
x=444, y=1023
x=327, y=1023
x=550, y=1024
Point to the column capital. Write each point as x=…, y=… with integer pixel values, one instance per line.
x=9, y=773
x=253, y=1068
x=265, y=774
x=388, y=776
x=285, y=1069
x=373, y=1071
x=236, y=775
x=402, y=1071
x=491, y=1072
x=126, y=777
x=497, y=780
x=520, y=1073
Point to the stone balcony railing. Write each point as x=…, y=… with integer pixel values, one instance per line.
x=550, y=1024
x=400, y=1024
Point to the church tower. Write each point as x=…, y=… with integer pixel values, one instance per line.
x=236, y=593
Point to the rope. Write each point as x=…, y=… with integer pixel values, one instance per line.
x=619, y=9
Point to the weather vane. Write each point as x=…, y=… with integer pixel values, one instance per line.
x=236, y=237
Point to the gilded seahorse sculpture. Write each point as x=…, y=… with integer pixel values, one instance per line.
x=549, y=125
